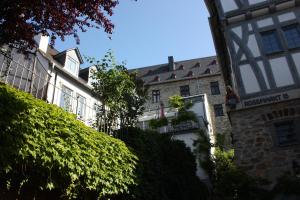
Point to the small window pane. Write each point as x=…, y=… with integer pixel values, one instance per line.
x=66, y=98
x=292, y=36
x=218, y=110
x=271, y=42
x=81, y=106
x=185, y=91
x=71, y=65
x=155, y=96
x=286, y=134
x=214, y=86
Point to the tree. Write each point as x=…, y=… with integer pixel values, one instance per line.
x=134, y=103
x=166, y=168
x=183, y=114
x=21, y=20
x=121, y=93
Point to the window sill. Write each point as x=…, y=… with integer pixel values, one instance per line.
x=273, y=54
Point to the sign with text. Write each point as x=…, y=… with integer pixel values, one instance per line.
x=265, y=100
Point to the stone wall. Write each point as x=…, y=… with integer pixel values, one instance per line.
x=254, y=139
x=197, y=86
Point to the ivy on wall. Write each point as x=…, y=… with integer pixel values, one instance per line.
x=46, y=151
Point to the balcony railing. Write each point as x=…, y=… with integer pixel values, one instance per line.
x=25, y=73
x=183, y=127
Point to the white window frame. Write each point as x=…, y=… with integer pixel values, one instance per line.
x=70, y=61
x=81, y=106
x=64, y=99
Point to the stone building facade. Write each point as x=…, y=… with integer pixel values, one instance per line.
x=258, y=47
x=187, y=78
x=197, y=80
x=257, y=147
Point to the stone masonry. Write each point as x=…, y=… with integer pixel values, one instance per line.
x=255, y=141
x=220, y=124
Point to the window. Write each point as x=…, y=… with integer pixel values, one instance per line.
x=80, y=106
x=214, y=87
x=185, y=91
x=270, y=41
x=285, y=133
x=292, y=36
x=207, y=71
x=218, y=110
x=72, y=65
x=66, y=98
x=155, y=96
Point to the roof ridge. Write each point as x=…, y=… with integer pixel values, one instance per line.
x=176, y=62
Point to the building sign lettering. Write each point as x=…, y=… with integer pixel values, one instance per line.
x=264, y=100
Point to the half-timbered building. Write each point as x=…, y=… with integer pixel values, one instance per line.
x=258, y=46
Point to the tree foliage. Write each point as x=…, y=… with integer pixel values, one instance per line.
x=231, y=182
x=157, y=123
x=178, y=102
x=228, y=180
x=166, y=168
x=21, y=20
x=183, y=114
x=121, y=92
x=46, y=151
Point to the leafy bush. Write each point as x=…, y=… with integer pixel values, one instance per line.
x=183, y=116
x=178, y=102
x=203, y=148
x=157, y=123
x=45, y=153
x=230, y=182
x=166, y=168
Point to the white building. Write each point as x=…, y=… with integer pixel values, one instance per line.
x=53, y=76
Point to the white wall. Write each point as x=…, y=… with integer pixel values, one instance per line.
x=250, y=82
x=286, y=16
x=92, y=69
x=189, y=139
x=90, y=115
x=42, y=41
x=281, y=72
x=296, y=58
x=228, y=5
x=73, y=55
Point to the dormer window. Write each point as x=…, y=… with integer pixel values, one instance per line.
x=213, y=62
x=181, y=67
x=173, y=76
x=72, y=65
x=196, y=65
x=156, y=79
x=189, y=74
x=207, y=71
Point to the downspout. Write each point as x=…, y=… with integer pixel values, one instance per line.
x=54, y=85
x=33, y=72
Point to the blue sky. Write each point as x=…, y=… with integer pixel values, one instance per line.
x=148, y=31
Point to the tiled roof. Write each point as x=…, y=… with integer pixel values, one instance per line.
x=183, y=69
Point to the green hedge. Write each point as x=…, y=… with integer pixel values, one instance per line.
x=157, y=123
x=166, y=168
x=46, y=151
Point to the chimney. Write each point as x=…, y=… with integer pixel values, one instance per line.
x=42, y=42
x=171, y=63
